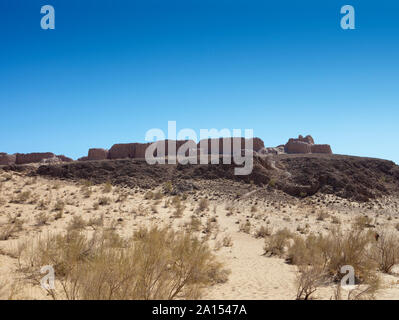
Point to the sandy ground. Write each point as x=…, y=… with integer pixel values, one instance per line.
x=33, y=201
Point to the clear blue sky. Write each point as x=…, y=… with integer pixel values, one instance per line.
x=111, y=70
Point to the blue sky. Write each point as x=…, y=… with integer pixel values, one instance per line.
x=111, y=70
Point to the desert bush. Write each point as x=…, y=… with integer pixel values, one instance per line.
x=42, y=205
x=263, y=232
x=149, y=195
x=86, y=191
x=322, y=216
x=22, y=197
x=203, y=204
x=42, y=218
x=179, y=208
x=195, y=224
x=365, y=291
x=362, y=222
x=335, y=220
x=276, y=243
x=227, y=241
x=385, y=251
x=312, y=250
x=168, y=187
x=6, y=231
x=103, y=201
x=96, y=222
x=308, y=279
x=107, y=187
x=159, y=264
x=158, y=195
x=245, y=227
x=77, y=223
x=210, y=226
x=254, y=209
x=59, y=206
x=334, y=251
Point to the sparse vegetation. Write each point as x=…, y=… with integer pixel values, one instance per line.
x=22, y=197
x=276, y=243
x=107, y=187
x=77, y=223
x=158, y=264
x=245, y=227
x=104, y=201
x=203, y=204
x=385, y=251
x=263, y=232
x=227, y=241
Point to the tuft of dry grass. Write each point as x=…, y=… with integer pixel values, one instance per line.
x=277, y=242
x=104, y=201
x=227, y=241
x=203, y=204
x=245, y=227
x=22, y=197
x=263, y=232
x=107, y=187
x=42, y=219
x=77, y=223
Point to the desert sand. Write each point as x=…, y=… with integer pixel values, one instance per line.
x=42, y=205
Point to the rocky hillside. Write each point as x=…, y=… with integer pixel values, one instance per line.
x=298, y=175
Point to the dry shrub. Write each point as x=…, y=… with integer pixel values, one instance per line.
x=6, y=232
x=154, y=264
x=22, y=197
x=86, y=191
x=42, y=218
x=104, y=201
x=179, y=208
x=351, y=248
x=227, y=241
x=42, y=205
x=96, y=222
x=362, y=222
x=149, y=195
x=333, y=251
x=168, y=187
x=245, y=227
x=385, y=251
x=77, y=223
x=107, y=187
x=263, y=232
x=321, y=256
x=210, y=225
x=335, y=220
x=59, y=206
x=322, y=216
x=308, y=279
x=195, y=224
x=203, y=205
x=276, y=243
x=365, y=291
x=157, y=195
